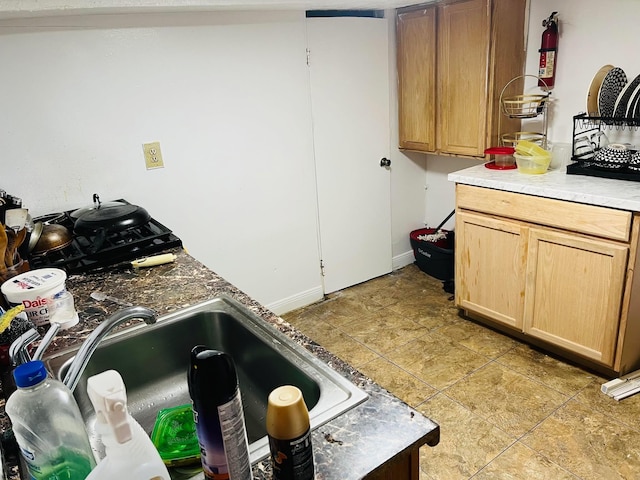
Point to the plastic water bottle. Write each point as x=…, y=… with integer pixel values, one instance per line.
x=48, y=426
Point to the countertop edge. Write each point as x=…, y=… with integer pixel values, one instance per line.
x=556, y=184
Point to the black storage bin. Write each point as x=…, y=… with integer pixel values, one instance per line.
x=434, y=258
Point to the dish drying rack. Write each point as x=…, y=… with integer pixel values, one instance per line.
x=524, y=106
x=586, y=125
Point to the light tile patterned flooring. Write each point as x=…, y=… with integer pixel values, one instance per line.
x=506, y=411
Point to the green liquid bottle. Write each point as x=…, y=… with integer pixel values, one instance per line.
x=65, y=465
x=48, y=426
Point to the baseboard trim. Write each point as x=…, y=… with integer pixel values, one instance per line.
x=298, y=300
x=403, y=260
x=315, y=294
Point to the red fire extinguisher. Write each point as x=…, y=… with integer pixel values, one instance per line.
x=548, y=52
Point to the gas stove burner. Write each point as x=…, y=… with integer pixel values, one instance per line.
x=81, y=255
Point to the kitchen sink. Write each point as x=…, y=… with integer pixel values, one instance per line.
x=153, y=361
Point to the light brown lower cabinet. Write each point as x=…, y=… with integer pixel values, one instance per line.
x=558, y=273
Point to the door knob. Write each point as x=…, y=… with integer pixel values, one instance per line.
x=385, y=162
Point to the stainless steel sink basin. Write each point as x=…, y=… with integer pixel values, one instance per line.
x=153, y=361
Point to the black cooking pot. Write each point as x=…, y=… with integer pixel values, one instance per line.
x=103, y=219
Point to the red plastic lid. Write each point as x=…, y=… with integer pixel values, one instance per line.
x=500, y=151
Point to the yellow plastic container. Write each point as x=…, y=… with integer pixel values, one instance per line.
x=531, y=158
x=525, y=147
x=532, y=164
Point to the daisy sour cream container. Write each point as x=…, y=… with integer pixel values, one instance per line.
x=36, y=291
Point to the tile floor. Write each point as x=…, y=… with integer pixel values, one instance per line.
x=506, y=411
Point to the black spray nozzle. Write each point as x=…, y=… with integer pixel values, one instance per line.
x=212, y=375
x=552, y=19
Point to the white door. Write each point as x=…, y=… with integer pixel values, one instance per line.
x=349, y=72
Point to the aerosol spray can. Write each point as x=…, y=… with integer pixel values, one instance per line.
x=217, y=411
x=289, y=435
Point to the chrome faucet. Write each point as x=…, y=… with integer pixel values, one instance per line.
x=19, y=349
x=89, y=346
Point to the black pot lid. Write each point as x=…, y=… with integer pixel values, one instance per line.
x=104, y=214
x=97, y=204
x=81, y=211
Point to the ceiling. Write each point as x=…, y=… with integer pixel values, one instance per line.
x=39, y=8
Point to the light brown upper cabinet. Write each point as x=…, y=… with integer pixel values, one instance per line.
x=454, y=59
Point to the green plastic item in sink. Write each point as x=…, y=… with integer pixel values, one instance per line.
x=174, y=435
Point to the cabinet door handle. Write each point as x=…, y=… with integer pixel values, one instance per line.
x=385, y=162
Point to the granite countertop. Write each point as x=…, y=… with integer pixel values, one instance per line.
x=348, y=447
x=604, y=192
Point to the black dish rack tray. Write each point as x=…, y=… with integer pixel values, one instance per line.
x=584, y=168
x=148, y=239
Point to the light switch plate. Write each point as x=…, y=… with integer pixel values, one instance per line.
x=152, y=155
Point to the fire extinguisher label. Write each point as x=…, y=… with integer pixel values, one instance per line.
x=547, y=64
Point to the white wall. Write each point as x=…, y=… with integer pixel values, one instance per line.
x=225, y=94
x=592, y=34
x=407, y=174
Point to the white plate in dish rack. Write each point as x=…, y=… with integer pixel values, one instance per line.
x=594, y=89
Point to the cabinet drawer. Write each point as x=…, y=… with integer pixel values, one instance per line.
x=576, y=217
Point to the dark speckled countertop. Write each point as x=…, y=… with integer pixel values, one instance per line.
x=348, y=447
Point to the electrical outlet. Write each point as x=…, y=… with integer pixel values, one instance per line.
x=152, y=155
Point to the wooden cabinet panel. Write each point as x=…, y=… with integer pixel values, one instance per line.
x=463, y=39
x=465, y=51
x=490, y=267
x=588, y=219
x=628, y=347
x=416, y=39
x=574, y=292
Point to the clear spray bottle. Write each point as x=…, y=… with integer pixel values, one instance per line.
x=130, y=454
